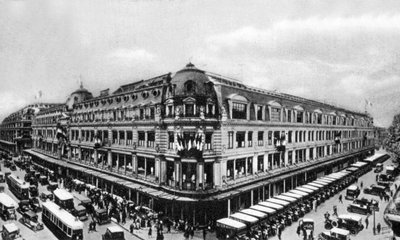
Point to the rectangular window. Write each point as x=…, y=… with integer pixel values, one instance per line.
x=239, y=111
x=290, y=137
x=208, y=141
x=141, y=113
x=189, y=110
x=289, y=116
x=311, y=153
x=129, y=138
x=170, y=140
x=152, y=113
x=115, y=137
x=290, y=158
x=230, y=139
x=141, y=136
x=250, y=139
x=300, y=117
x=259, y=112
x=319, y=118
x=260, y=138
x=122, y=137
x=240, y=138
x=275, y=114
x=277, y=137
x=151, y=137
x=260, y=163
x=269, y=137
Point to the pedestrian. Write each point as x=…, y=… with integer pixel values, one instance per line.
x=204, y=233
x=131, y=227
x=150, y=231
x=378, y=228
x=395, y=186
x=366, y=222
x=279, y=232
x=361, y=184
x=335, y=210
x=340, y=198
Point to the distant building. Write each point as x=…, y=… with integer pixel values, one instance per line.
x=196, y=145
x=16, y=130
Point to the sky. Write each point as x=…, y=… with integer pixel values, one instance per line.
x=344, y=53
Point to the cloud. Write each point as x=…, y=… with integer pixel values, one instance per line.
x=339, y=59
x=131, y=55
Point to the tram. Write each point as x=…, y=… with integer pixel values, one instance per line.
x=18, y=187
x=61, y=222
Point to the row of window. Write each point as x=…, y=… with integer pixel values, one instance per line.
x=289, y=136
x=274, y=114
x=242, y=167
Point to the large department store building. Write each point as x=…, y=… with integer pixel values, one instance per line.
x=16, y=129
x=196, y=145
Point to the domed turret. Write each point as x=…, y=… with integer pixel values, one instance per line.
x=80, y=95
x=190, y=81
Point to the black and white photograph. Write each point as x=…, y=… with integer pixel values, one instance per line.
x=199, y=120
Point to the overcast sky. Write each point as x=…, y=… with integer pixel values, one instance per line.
x=340, y=52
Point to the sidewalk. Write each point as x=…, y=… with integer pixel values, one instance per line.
x=143, y=233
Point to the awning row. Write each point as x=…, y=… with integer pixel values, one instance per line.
x=269, y=207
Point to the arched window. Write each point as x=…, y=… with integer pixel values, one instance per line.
x=190, y=86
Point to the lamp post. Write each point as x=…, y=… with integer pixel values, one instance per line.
x=373, y=228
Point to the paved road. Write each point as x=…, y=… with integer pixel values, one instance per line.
x=46, y=234
x=365, y=234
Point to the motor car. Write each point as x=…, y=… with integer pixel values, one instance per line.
x=308, y=226
x=378, y=168
x=52, y=186
x=34, y=203
x=357, y=208
x=372, y=203
x=43, y=180
x=335, y=234
x=46, y=195
x=23, y=206
x=385, y=177
x=30, y=219
x=33, y=190
x=80, y=212
x=352, y=192
x=2, y=177
x=101, y=216
x=145, y=212
x=350, y=222
x=375, y=190
x=13, y=167
x=114, y=233
x=10, y=231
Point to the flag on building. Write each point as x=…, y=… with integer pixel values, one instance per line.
x=368, y=103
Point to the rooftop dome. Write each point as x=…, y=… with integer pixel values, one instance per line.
x=190, y=79
x=81, y=89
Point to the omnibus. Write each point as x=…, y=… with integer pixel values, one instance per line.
x=64, y=199
x=61, y=222
x=18, y=187
x=7, y=207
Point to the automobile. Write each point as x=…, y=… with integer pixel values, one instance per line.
x=145, y=212
x=43, y=180
x=385, y=177
x=87, y=204
x=30, y=219
x=28, y=176
x=372, y=204
x=308, y=226
x=33, y=190
x=375, y=190
x=378, y=168
x=52, y=186
x=350, y=222
x=114, y=233
x=335, y=234
x=46, y=195
x=80, y=212
x=358, y=208
x=352, y=192
x=101, y=216
x=34, y=203
x=11, y=232
x=12, y=167
x=23, y=206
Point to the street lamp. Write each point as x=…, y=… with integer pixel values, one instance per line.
x=373, y=228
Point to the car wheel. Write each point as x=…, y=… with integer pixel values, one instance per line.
x=335, y=224
x=352, y=231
